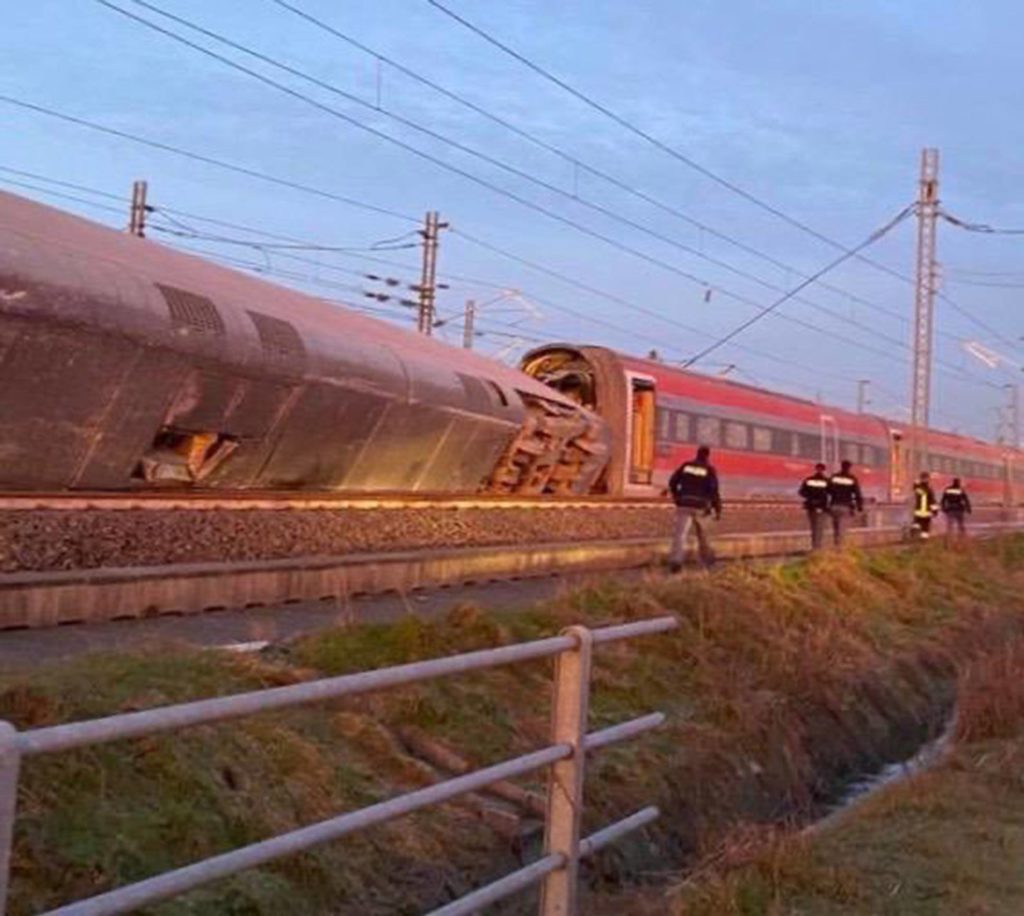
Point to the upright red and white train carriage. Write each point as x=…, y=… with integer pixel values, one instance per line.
x=764, y=443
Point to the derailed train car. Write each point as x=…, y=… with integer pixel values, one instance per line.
x=764, y=442
x=125, y=364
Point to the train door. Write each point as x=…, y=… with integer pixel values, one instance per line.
x=897, y=466
x=642, y=425
x=829, y=441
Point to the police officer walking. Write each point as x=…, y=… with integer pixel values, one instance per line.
x=694, y=489
x=844, y=499
x=925, y=506
x=814, y=493
x=955, y=505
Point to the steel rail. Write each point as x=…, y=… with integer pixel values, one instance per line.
x=247, y=500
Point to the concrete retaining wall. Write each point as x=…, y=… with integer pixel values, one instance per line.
x=52, y=598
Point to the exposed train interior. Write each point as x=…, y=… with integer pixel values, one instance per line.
x=567, y=371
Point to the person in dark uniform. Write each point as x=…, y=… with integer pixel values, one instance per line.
x=925, y=506
x=955, y=505
x=844, y=499
x=814, y=493
x=694, y=489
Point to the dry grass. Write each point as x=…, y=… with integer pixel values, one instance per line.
x=944, y=843
x=781, y=682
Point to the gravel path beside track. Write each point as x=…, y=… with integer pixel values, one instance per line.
x=52, y=540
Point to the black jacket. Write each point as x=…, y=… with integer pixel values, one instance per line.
x=955, y=499
x=694, y=485
x=814, y=492
x=844, y=492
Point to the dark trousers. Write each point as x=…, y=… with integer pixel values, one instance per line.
x=955, y=524
x=923, y=524
x=841, y=516
x=816, y=518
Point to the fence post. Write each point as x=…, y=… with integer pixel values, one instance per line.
x=565, y=782
x=10, y=760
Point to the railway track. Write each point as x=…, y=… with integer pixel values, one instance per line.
x=249, y=499
x=41, y=599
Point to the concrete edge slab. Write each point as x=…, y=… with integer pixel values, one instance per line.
x=30, y=600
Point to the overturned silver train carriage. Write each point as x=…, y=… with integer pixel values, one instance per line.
x=127, y=365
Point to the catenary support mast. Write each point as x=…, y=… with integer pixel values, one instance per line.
x=924, y=306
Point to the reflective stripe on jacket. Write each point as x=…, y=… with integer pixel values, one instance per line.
x=924, y=501
x=814, y=492
x=955, y=499
x=694, y=485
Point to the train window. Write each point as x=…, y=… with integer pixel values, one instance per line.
x=683, y=428
x=849, y=451
x=709, y=430
x=809, y=446
x=737, y=435
x=762, y=439
x=664, y=416
x=782, y=442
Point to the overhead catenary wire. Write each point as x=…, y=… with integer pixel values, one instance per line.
x=576, y=313
x=853, y=252
x=519, y=173
x=571, y=159
x=983, y=228
x=462, y=172
x=396, y=311
x=654, y=141
x=688, y=161
x=207, y=160
x=584, y=316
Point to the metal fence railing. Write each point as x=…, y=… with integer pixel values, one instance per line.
x=556, y=870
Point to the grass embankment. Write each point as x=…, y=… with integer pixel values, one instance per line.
x=946, y=841
x=782, y=682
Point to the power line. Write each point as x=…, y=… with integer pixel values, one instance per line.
x=986, y=284
x=691, y=163
x=389, y=311
x=573, y=160
x=654, y=141
x=62, y=195
x=396, y=311
x=605, y=211
x=739, y=329
x=977, y=227
x=627, y=303
x=581, y=315
x=207, y=160
x=480, y=243
x=470, y=176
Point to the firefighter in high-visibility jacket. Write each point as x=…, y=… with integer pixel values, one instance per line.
x=925, y=506
x=956, y=504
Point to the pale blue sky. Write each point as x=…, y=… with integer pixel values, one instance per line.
x=819, y=108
